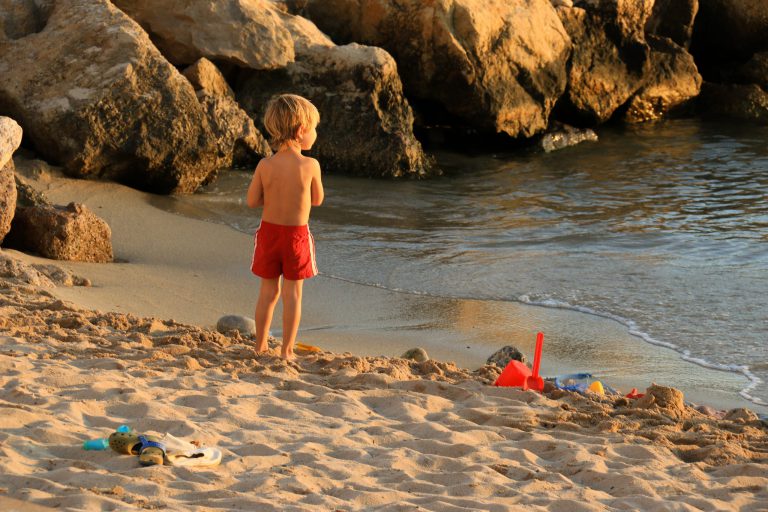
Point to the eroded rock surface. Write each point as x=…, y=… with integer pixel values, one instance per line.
x=62, y=233
x=247, y=33
x=499, y=65
x=94, y=95
x=10, y=138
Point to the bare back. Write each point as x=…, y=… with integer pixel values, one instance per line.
x=287, y=184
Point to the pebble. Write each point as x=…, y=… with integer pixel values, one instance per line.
x=242, y=324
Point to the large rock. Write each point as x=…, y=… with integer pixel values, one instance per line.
x=745, y=102
x=610, y=57
x=248, y=33
x=496, y=64
x=727, y=33
x=673, y=19
x=239, y=142
x=62, y=233
x=366, y=126
x=671, y=81
x=94, y=95
x=754, y=71
x=10, y=138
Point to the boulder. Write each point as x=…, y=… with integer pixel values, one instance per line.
x=754, y=71
x=10, y=138
x=7, y=198
x=366, y=126
x=672, y=80
x=62, y=233
x=610, y=56
x=498, y=65
x=673, y=19
x=239, y=142
x=745, y=102
x=244, y=325
x=727, y=33
x=247, y=33
x=107, y=104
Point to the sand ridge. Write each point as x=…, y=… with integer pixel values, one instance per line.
x=331, y=431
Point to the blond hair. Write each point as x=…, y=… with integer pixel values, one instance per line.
x=285, y=114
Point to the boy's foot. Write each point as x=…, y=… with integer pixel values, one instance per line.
x=288, y=357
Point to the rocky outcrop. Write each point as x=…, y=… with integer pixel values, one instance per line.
x=610, y=56
x=727, y=33
x=247, y=33
x=10, y=138
x=745, y=102
x=672, y=80
x=754, y=71
x=366, y=126
x=673, y=19
x=62, y=233
x=730, y=44
x=499, y=65
x=616, y=66
x=239, y=142
x=107, y=103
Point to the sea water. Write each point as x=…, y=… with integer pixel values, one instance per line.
x=662, y=227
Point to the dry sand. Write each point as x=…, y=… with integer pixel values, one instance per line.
x=329, y=432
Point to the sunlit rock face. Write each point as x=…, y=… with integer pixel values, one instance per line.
x=498, y=65
x=94, y=95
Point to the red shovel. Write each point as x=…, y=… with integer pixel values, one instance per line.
x=535, y=382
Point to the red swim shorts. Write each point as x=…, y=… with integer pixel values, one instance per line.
x=284, y=250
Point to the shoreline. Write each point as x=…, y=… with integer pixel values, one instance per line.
x=173, y=267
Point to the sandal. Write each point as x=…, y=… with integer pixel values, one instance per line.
x=150, y=449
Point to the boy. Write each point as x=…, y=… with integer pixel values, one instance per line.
x=287, y=185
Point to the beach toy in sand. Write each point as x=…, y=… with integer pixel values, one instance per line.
x=517, y=374
x=634, y=394
x=123, y=428
x=535, y=381
x=596, y=387
x=307, y=348
x=96, y=444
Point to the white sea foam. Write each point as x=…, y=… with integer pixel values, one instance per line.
x=685, y=355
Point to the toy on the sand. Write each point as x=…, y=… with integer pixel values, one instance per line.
x=102, y=443
x=517, y=374
x=535, y=382
x=303, y=347
x=150, y=449
x=96, y=444
x=583, y=383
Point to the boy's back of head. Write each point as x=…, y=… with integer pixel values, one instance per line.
x=285, y=114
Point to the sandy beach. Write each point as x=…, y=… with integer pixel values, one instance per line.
x=333, y=431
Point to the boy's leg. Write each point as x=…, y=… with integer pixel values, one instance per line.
x=269, y=293
x=292, y=291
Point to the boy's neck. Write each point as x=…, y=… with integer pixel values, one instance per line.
x=290, y=146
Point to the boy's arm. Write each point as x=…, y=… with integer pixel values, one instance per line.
x=318, y=194
x=255, y=196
